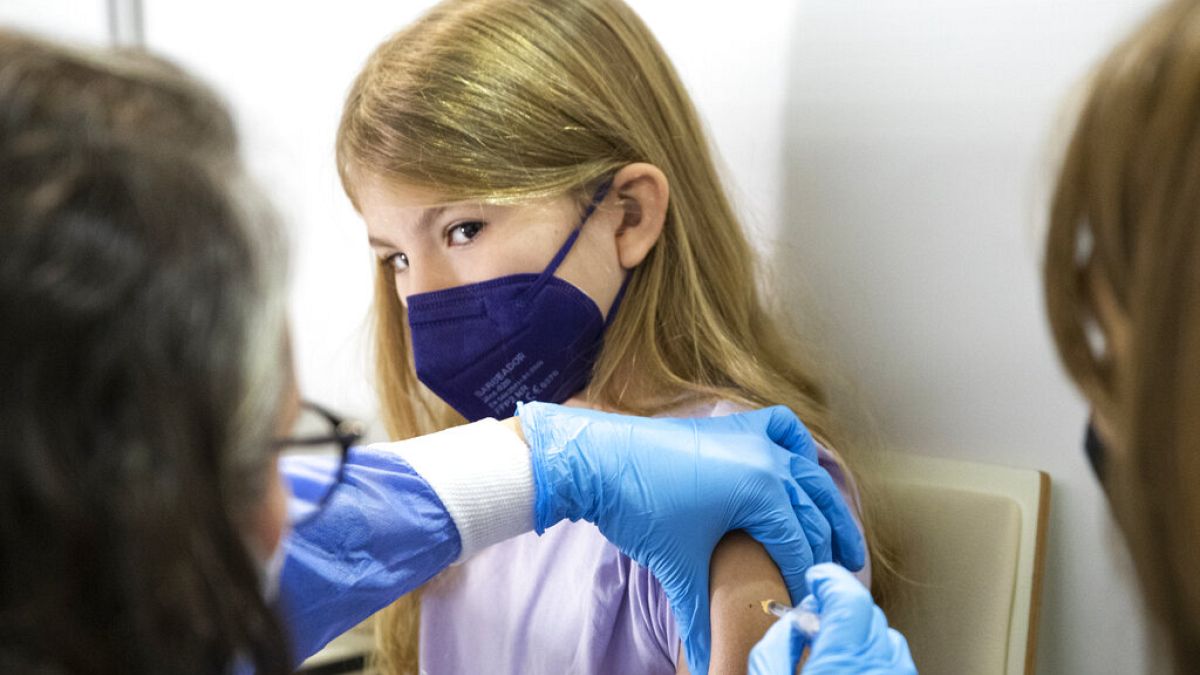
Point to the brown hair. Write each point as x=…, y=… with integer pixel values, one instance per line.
x=141, y=312
x=1122, y=283
x=113, y=96
x=510, y=100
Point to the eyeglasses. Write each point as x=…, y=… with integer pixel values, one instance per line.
x=313, y=457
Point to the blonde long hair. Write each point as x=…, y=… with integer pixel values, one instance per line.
x=1126, y=214
x=511, y=100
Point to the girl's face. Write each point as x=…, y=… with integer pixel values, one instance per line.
x=430, y=245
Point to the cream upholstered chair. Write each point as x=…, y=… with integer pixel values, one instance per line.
x=971, y=546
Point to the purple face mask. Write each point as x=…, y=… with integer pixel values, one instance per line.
x=526, y=337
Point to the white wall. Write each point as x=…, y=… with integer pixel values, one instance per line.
x=285, y=66
x=892, y=158
x=82, y=20
x=918, y=157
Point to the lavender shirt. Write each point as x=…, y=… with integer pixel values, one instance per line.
x=565, y=602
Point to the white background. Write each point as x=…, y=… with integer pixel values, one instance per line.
x=82, y=20
x=892, y=158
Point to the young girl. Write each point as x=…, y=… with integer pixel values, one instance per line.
x=550, y=226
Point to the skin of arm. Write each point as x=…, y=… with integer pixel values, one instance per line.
x=742, y=575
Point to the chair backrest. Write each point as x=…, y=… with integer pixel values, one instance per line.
x=970, y=548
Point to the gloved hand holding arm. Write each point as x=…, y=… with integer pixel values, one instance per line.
x=665, y=491
x=854, y=638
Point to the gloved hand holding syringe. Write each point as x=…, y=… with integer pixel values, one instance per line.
x=840, y=624
x=805, y=620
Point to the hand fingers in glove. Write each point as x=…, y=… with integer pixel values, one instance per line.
x=846, y=608
x=778, y=651
x=787, y=431
x=902, y=661
x=849, y=548
x=692, y=615
x=787, y=544
x=816, y=528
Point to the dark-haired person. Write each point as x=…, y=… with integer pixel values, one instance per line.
x=148, y=395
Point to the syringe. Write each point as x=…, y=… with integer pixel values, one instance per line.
x=804, y=619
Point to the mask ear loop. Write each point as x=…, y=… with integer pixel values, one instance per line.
x=612, y=311
x=601, y=193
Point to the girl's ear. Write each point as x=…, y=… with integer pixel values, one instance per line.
x=643, y=193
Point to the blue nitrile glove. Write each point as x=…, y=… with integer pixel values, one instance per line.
x=854, y=638
x=665, y=491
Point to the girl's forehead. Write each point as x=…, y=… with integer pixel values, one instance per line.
x=382, y=197
x=385, y=193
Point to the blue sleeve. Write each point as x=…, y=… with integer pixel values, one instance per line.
x=383, y=533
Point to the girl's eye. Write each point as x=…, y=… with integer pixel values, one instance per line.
x=463, y=233
x=397, y=261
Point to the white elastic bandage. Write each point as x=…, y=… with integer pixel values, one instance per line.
x=483, y=474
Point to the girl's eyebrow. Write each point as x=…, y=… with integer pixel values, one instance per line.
x=425, y=221
x=430, y=214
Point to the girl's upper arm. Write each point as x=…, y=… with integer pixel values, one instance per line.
x=742, y=575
